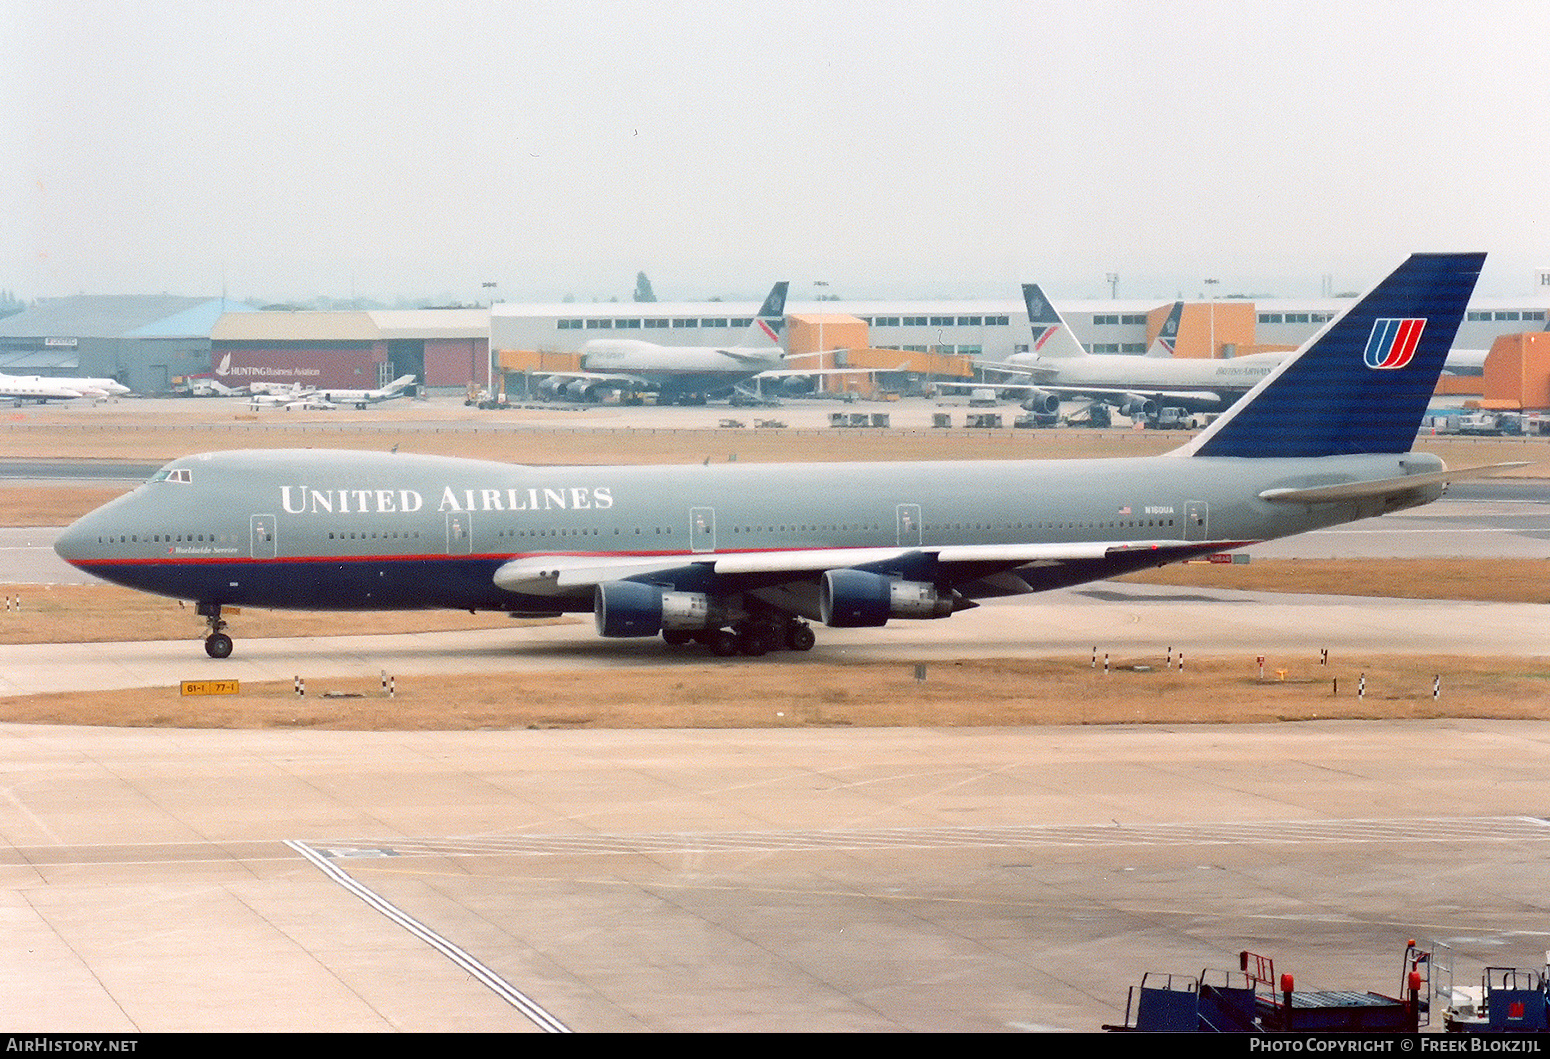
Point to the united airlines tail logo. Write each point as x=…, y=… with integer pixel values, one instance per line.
x=1392, y=343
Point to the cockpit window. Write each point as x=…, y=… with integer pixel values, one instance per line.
x=173, y=474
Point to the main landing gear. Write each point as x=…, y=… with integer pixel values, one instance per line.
x=748, y=638
x=217, y=643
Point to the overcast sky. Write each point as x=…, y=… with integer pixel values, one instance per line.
x=292, y=149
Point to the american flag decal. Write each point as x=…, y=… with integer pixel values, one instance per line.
x=1393, y=342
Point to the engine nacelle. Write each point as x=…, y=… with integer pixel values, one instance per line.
x=858, y=599
x=1137, y=407
x=797, y=385
x=583, y=391
x=552, y=388
x=630, y=608
x=1041, y=401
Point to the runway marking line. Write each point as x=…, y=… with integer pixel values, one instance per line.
x=498, y=985
x=1249, y=832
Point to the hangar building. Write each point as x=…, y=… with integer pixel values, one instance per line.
x=351, y=350
x=143, y=342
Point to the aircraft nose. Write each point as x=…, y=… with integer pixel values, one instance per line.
x=72, y=543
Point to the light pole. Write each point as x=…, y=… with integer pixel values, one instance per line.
x=1112, y=278
x=818, y=297
x=489, y=353
x=1211, y=286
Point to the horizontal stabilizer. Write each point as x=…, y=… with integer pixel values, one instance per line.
x=1382, y=486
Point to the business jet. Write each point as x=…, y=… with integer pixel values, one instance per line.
x=676, y=374
x=361, y=398
x=43, y=388
x=742, y=557
x=21, y=388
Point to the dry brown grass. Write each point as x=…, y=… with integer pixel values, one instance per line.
x=107, y=614
x=796, y=691
x=1482, y=580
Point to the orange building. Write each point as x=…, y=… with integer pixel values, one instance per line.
x=1517, y=372
x=1207, y=327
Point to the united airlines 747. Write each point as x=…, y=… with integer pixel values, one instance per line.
x=742, y=557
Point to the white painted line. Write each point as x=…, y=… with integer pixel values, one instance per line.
x=513, y=996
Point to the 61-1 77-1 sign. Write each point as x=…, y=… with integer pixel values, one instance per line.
x=210, y=687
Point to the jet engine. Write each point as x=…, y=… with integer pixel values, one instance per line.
x=552, y=388
x=1041, y=401
x=858, y=599
x=1137, y=407
x=630, y=608
x=584, y=391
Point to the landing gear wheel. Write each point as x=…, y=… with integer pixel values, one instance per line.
x=217, y=643
x=753, y=642
x=799, y=637
x=722, y=642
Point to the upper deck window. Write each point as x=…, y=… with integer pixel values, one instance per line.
x=174, y=474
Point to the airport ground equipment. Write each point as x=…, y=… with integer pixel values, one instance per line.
x=1254, y=1000
x=1511, y=1000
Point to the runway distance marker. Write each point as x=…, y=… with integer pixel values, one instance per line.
x=211, y=687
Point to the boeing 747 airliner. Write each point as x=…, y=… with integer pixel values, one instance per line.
x=742, y=557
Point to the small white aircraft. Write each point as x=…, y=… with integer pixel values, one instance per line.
x=361, y=398
x=310, y=403
x=263, y=395
x=42, y=388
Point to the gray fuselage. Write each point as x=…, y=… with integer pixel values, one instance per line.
x=362, y=531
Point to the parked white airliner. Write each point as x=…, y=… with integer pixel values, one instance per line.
x=676, y=374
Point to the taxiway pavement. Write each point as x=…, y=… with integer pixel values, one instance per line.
x=817, y=880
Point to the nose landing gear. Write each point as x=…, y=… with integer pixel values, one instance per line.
x=217, y=643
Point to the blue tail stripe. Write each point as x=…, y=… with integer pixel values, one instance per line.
x=1328, y=401
x=1382, y=338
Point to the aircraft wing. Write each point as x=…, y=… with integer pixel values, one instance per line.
x=1038, y=371
x=747, y=356
x=974, y=571
x=798, y=373
x=1207, y=399
x=622, y=379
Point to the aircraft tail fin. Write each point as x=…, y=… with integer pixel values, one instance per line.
x=768, y=327
x=1168, y=338
x=1363, y=382
x=1051, y=336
